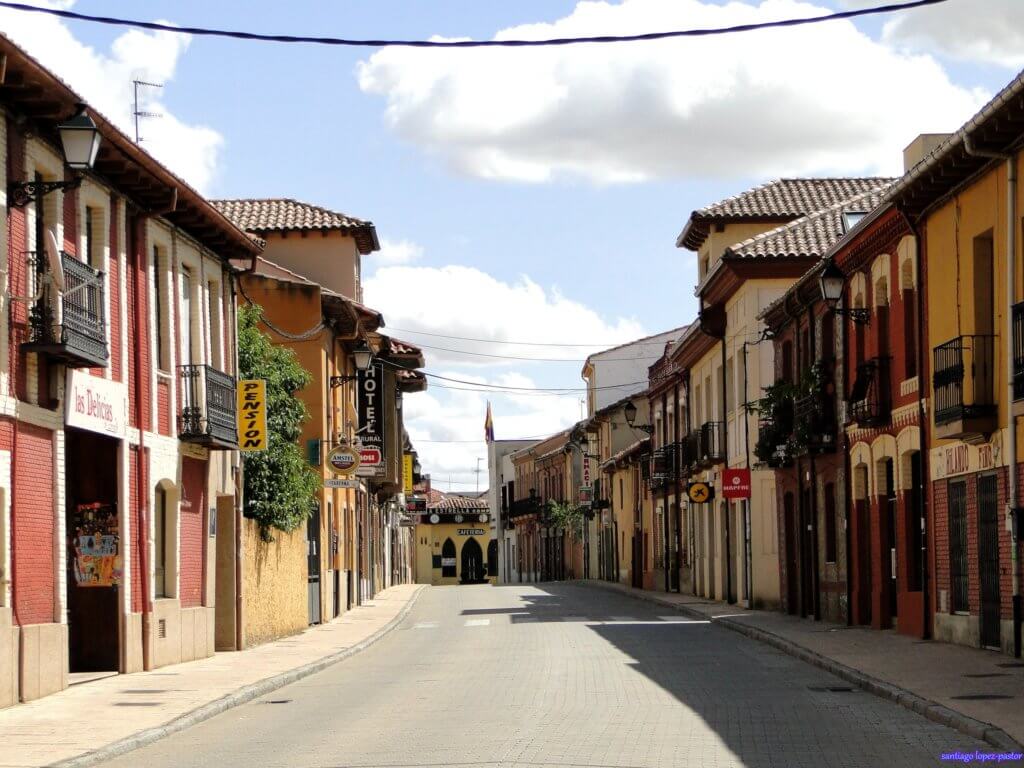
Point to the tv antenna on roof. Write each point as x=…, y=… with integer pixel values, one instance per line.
x=136, y=112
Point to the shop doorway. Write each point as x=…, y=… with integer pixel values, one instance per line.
x=492, y=558
x=472, y=562
x=94, y=552
x=889, y=551
x=792, y=565
x=988, y=559
x=313, y=565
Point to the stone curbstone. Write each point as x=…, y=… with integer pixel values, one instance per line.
x=231, y=700
x=931, y=710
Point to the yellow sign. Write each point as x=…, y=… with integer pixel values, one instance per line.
x=407, y=473
x=700, y=492
x=252, y=415
x=343, y=460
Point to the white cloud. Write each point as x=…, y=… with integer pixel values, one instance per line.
x=395, y=252
x=789, y=101
x=993, y=34
x=464, y=301
x=104, y=79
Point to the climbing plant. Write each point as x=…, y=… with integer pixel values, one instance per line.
x=280, y=486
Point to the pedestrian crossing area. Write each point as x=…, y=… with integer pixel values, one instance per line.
x=526, y=618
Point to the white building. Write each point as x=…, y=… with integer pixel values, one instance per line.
x=500, y=494
x=616, y=373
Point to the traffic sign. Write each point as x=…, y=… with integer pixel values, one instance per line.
x=736, y=484
x=700, y=492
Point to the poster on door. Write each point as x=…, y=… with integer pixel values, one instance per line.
x=96, y=543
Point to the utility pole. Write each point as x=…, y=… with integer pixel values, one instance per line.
x=136, y=112
x=477, y=471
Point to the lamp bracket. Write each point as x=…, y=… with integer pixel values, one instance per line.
x=859, y=315
x=337, y=381
x=21, y=193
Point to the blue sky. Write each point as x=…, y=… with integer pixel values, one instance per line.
x=450, y=155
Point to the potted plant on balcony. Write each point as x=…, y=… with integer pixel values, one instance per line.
x=775, y=435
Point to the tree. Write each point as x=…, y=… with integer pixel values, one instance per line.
x=566, y=516
x=280, y=486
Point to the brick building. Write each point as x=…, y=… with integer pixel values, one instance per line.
x=118, y=466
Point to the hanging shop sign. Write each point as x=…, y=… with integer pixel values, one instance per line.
x=736, y=483
x=407, y=473
x=416, y=504
x=96, y=541
x=700, y=493
x=252, y=415
x=98, y=405
x=370, y=408
x=343, y=460
x=340, y=482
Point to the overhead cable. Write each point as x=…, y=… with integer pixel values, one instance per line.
x=511, y=43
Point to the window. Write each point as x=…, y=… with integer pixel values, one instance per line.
x=160, y=312
x=828, y=337
x=786, y=374
x=160, y=543
x=958, y=574
x=90, y=240
x=910, y=331
x=830, y=523
x=216, y=334
x=189, y=349
x=730, y=380
x=851, y=219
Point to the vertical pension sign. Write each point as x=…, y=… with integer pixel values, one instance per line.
x=252, y=415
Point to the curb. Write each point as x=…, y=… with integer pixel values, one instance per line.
x=927, y=708
x=231, y=700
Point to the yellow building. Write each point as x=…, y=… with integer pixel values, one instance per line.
x=454, y=544
x=964, y=201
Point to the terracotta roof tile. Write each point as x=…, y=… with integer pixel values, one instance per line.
x=454, y=502
x=287, y=215
x=781, y=199
x=811, y=235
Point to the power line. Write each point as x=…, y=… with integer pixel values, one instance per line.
x=532, y=359
x=529, y=343
x=381, y=43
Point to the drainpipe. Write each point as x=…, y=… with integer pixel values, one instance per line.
x=1011, y=437
x=815, y=564
x=725, y=465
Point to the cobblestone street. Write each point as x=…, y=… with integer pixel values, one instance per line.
x=560, y=675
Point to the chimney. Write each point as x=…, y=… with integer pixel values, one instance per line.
x=921, y=147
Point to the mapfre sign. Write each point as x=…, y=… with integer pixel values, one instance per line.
x=736, y=483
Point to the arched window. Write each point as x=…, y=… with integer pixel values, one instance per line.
x=448, y=568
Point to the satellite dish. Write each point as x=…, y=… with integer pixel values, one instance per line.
x=53, y=260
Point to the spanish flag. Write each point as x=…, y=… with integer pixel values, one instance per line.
x=489, y=425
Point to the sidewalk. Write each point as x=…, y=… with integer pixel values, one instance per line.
x=977, y=692
x=94, y=721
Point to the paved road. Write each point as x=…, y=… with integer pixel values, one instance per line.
x=560, y=675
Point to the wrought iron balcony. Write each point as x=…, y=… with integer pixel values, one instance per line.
x=689, y=453
x=814, y=420
x=871, y=397
x=207, y=402
x=1018, y=350
x=712, y=443
x=964, y=379
x=529, y=506
x=69, y=325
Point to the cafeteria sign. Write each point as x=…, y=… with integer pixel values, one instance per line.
x=252, y=415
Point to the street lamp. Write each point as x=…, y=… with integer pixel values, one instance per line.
x=629, y=411
x=80, y=140
x=362, y=357
x=832, y=282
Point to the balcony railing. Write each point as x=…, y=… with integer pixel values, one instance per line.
x=689, y=453
x=964, y=379
x=712, y=442
x=773, y=444
x=815, y=423
x=1018, y=350
x=870, y=399
x=68, y=325
x=527, y=506
x=206, y=412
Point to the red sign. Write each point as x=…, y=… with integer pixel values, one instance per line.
x=736, y=483
x=369, y=458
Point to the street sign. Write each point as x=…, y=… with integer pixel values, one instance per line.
x=700, y=492
x=343, y=460
x=339, y=482
x=736, y=483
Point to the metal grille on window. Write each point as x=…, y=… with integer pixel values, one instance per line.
x=958, y=573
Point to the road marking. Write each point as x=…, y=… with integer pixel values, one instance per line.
x=426, y=625
x=623, y=618
x=477, y=622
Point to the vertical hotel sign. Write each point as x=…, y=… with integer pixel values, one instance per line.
x=370, y=408
x=252, y=415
